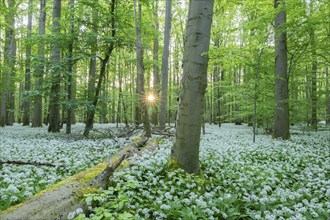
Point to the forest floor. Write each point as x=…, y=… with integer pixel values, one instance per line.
x=269, y=179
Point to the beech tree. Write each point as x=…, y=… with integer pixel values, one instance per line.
x=39, y=70
x=54, y=100
x=7, y=105
x=27, y=86
x=70, y=67
x=238, y=81
x=155, y=59
x=166, y=52
x=185, y=151
x=140, y=71
x=281, y=121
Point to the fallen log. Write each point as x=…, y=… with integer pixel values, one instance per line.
x=34, y=163
x=64, y=197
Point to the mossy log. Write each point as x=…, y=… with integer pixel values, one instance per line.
x=57, y=201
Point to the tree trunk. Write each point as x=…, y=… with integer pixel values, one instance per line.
x=91, y=114
x=256, y=82
x=327, y=93
x=2, y=122
x=140, y=72
x=185, y=151
x=281, y=121
x=314, y=76
x=27, y=86
x=54, y=100
x=37, y=114
x=8, y=98
x=167, y=33
x=70, y=65
x=156, y=66
x=92, y=69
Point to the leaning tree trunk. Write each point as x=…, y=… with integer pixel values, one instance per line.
x=91, y=113
x=185, y=151
x=37, y=113
x=27, y=86
x=281, y=121
x=140, y=72
x=167, y=32
x=54, y=100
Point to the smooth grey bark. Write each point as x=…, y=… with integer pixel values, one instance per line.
x=140, y=71
x=70, y=65
x=39, y=71
x=185, y=151
x=11, y=58
x=281, y=120
x=166, y=49
x=156, y=83
x=7, y=98
x=54, y=100
x=27, y=85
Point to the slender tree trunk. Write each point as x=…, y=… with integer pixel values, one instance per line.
x=185, y=151
x=73, y=95
x=37, y=113
x=54, y=100
x=119, y=113
x=281, y=121
x=167, y=33
x=140, y=72
x=327, y=92
x=308, y=96
x=70, y=65
x=10, y=60
x=91, y=114
x=20, y=105
x=5, y=79
x=2, y=122
x=169, y=98
x=92, y=69
x=256, y=82
x=113, y=104
x=27, y=87
x=216, y=94
x=138, y=86
x=221, y=104
x=314, y=76
x=156, y=84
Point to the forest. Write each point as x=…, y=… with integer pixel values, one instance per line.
x=164, y=109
